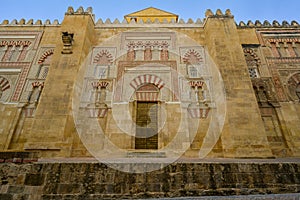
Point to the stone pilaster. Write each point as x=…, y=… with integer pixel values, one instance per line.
x=243, y=134
x=53, y=130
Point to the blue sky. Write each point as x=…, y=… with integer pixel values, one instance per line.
x=243, y=10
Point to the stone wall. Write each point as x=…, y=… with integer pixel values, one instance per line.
x=97, y=181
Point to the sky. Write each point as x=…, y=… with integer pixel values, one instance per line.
x=243, y=10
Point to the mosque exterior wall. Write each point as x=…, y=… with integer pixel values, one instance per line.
x=198, y=89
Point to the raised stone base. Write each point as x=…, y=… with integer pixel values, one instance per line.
x=83, y=180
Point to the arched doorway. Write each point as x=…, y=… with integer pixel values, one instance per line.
x=146, y=117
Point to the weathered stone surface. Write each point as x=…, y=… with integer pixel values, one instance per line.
x=94, y=180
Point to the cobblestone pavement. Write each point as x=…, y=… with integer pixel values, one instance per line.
x=295, y=196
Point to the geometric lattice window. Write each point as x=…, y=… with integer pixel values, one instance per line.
x=193, y=72
x=43, y=72
x=253, y=61
x=253, y=72
x=101, y=72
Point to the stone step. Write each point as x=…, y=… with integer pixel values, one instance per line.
x=146, y=154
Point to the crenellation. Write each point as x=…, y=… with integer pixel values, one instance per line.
x=209, y=13
x=267, y=24
x=250, y=24
x=258, y=23
x=181, y=21
x=47, y=22
x=219, y=13
x=99, y=22
x=5, y=22
x=190, y=21
x=285, y=24
x=22, y=22
x=142, y=21
x=155, y=22
x=294, y=23
x=107, y=21
x=79, y=11
x=276, y=23
x=14, y=22
x=198, y=21
x=116, y=21
x=242, y=24
x=55, y=22
x=30, y=22
x=228, y=13
x=38, y=22
x=149, y=21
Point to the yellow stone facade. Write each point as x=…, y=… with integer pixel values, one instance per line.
x=204, y=88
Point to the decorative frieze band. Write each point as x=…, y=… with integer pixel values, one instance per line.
x=104, y=57
x=14, y=43
x=148, y=44
x=4, y=84
x=196, y=84
x=283, y=40
x=282, y=60
x=99, y=84
x=45, y=55
x=37, y=84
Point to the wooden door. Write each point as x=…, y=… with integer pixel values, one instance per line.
x=146, y=126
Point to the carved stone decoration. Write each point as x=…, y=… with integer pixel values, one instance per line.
x=294, y=87
x=265, y=92
x=199, y=108
x=104, y=57
x=164, y=54
x=192, y=57
x=130, y=52
x=148, y=52
x=253, y=62
x=45, y=55
x=147, y=79
x=4, y=85
x=148, y=49
x=12, y=47
x=67, y=39
x=33, y=98
x=98, y=107
x=147, y=92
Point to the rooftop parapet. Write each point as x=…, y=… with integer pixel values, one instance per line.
x=149, y=23
x=267, y=24
x=79, y=11
x=30, y=22
x=108, y=23
x=218, y=13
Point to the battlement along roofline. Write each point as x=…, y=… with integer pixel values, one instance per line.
x=152, y=17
